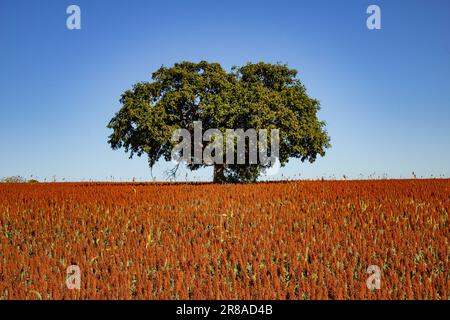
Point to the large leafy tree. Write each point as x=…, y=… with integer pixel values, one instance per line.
x=258, y=96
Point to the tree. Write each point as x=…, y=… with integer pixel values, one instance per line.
x=13, y=179
x=258, y=96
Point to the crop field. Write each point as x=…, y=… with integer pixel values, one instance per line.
x=289, y=240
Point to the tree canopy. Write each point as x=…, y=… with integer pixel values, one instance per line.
x=256, y=96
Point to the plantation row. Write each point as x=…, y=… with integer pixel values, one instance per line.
x=295, y=240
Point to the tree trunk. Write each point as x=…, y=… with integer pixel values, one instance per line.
x=219, y=174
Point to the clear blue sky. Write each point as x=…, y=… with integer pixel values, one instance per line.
x=385, y=94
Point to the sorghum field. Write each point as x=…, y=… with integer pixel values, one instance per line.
x=290, y=240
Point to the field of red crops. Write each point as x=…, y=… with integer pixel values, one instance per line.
x=293, y=240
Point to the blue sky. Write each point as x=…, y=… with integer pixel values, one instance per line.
x=385, y=94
